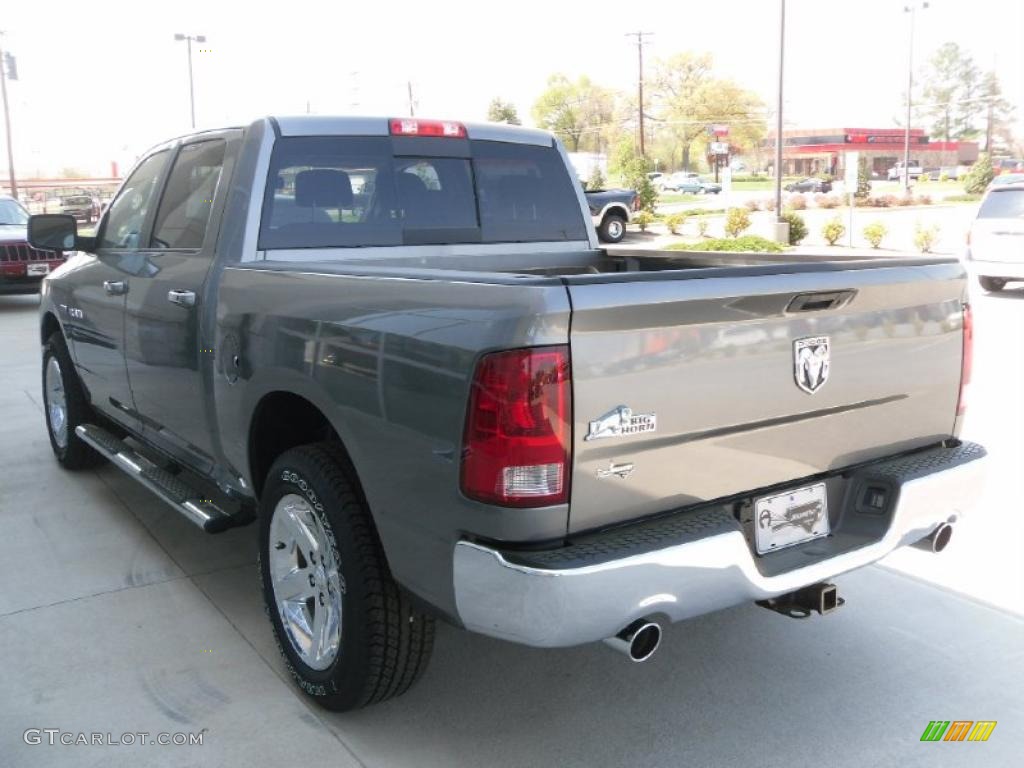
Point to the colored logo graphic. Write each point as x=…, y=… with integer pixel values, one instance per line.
x=958, y=730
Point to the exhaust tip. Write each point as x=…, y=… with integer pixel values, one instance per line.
x=639, y=640
x=937, y=540
x=645, y=642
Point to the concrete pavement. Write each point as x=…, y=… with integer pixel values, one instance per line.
x=118, y=615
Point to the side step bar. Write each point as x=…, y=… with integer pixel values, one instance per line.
x=184, y=498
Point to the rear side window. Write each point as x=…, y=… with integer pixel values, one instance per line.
x=347, y=192
x=1003, y=204
x=184, y=211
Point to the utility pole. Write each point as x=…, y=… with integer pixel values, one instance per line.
x=412, y=104
x=191, y=87
x=640, y=81
x=7, y=121
x=778, y=118
x=912, y=10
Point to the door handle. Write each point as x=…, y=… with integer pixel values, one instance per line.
x=181, y=297
x=115, y=287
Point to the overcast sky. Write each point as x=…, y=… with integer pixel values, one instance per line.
x=102, y=80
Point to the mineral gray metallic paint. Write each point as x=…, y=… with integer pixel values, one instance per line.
x=384, y=341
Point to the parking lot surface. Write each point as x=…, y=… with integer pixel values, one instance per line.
x=117, y=615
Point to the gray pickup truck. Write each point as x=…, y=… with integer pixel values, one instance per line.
x=397, y=346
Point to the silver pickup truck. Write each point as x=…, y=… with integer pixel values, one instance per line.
x=397, y=346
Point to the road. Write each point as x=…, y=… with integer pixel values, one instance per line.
x=116, y=615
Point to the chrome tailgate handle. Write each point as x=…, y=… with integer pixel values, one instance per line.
x=181, y=297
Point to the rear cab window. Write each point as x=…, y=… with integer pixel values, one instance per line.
x=336, y=191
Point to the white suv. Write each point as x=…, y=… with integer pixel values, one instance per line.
x=996, y=241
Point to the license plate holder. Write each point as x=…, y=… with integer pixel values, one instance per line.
x=35, y=270
x=790, y=518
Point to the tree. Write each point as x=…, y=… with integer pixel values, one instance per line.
x=576, y=112
x=690, y=98
x=501, y=111
x=627, y=163
x=998, y=112
x=980, y=176
x=951, y=74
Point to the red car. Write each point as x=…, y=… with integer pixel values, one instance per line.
x=22, y=267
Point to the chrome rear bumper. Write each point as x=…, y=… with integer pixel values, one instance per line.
x=713, y=568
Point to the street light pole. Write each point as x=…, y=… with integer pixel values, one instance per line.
x=912, y=10
x=778, y=115
x=7, y=125
x=191, y=86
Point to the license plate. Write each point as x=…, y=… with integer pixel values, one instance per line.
x=37, y=269
x=790, y=518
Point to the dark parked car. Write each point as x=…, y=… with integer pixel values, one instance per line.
x=810, y=185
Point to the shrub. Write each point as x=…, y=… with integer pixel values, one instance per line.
x=596, y=180
x=980, y=175
x=925, y=236
x=643, y=220
x=863, y=178
x=737, y=220
x=675, y=222
x=753, y=205
x=923, y=200
x=797, y=226
x=702, y=226
x=943, y=177
x=745, y=243
x=833, y=230
x=874, y=233
x=905, y=200
x=703, y=211
x=769, y=204
x=797, y=202
x=826, y=201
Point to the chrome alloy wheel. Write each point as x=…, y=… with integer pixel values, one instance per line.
x=615, y=229
x=56, y=403
x=307, y=585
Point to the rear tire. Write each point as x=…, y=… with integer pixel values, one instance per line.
x=376, y=643
x=612, y=229
x=992, y=284
x=66, y=407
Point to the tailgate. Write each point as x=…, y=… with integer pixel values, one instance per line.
x=999, y=240
x=685, y=388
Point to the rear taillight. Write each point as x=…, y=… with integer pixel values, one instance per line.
x=967, y=361
x=516, y=446
x=411, y=126
x=636, y=203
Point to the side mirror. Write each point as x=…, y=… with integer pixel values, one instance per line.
x=53, y=232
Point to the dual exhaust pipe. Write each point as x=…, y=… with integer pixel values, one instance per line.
x=641, y=639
